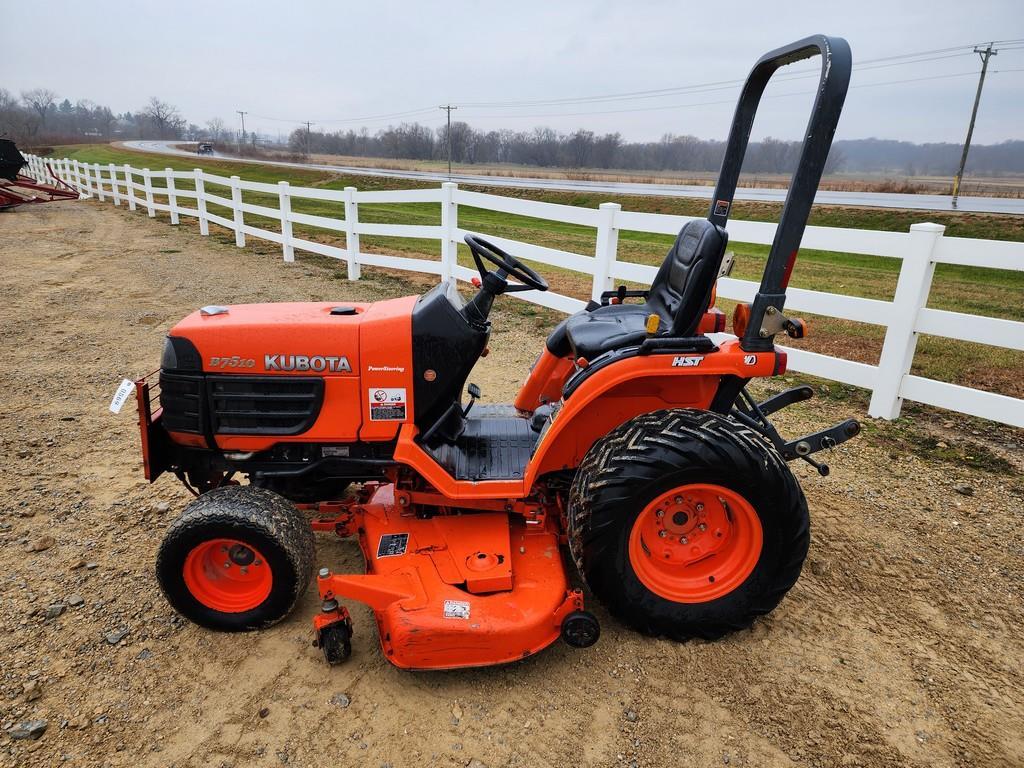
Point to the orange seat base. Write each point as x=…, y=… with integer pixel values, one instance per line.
x=456, y=590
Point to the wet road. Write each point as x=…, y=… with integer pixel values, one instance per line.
x=824, y=197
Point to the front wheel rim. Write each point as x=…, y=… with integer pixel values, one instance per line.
x=228, y=575
x=695, y=543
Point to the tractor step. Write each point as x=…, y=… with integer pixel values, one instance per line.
x=492, y=447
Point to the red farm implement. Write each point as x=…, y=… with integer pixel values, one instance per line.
x=18, y=189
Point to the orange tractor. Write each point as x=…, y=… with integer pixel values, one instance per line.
x=633, y=453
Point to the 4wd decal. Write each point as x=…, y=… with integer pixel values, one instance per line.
x=317, y=363
x=687, y=361
x=388, y=403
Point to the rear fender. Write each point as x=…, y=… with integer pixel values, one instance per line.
x=633, y=386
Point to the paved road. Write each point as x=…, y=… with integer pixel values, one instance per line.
x=824, y=197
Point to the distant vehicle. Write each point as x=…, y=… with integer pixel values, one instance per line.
x=205, y=148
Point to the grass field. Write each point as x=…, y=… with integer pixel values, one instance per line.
x=994, y=293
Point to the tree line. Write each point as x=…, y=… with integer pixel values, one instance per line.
x=37, y=117
x=547, y=148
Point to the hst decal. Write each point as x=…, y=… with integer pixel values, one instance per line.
x=687, y=361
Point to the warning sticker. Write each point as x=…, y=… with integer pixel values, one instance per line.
x=392, y=545
x=721, y=207
x=388, y=404
x=456, y=609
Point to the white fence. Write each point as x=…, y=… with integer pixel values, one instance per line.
x=906, y=316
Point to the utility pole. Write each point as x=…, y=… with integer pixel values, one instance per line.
x=448, y=108
x=308, y=124
x=242, y=115
x=985, y=54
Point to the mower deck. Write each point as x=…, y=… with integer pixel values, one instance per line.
x=452, y=591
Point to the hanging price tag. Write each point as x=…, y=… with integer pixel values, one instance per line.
x=123, y=391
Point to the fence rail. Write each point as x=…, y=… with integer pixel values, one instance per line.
x=904, y=318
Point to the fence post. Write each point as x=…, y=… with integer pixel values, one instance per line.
x=449, y=223
x=114, y=190
x=78, y=177
x=87, y=175
x=68, y=179
x=172, y=199
x=236, y=207
x=911, y=296
x=351, y=236
x=99, y=182
x=147, y=180
x=285, y=207
x=605, y=249
x=204, y=224
x=129, y=186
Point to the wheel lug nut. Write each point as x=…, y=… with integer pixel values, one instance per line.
x=700, y=507
x=702, y=527
x=662, y=534
x=679, y=499
x=683, y=540
x=244, y=570
x=227, y=564
x=660, y=513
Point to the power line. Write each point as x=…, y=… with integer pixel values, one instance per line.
x=896, y=60
x=903, y=59
x=723, y=101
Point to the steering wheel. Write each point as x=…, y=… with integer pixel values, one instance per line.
x=508, y=266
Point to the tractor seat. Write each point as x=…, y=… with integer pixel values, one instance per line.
x=679, y=295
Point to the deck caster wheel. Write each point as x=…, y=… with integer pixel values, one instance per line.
x=335, y=640
x=580, y=629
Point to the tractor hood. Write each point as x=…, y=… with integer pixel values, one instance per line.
x=362, y=353
x=284, y=338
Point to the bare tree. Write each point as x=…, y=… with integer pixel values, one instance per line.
x=40, y=100
x=164, y=116
x=580, y=146
x=215, y=129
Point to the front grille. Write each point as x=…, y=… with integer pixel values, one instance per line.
x=240, y=405
x=264, y=405
x=182, y=401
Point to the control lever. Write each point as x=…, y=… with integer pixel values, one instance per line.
x=474, y=395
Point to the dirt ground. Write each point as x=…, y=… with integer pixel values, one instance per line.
x=901, y=644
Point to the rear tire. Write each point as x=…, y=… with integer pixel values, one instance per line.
x=687, y=524
x=238, y=558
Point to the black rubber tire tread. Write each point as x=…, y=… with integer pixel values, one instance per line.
x=269, y=522
x=647, y=456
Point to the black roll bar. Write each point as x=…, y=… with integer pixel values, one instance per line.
x=836, y=63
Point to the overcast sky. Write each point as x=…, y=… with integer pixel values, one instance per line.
x=328, y=62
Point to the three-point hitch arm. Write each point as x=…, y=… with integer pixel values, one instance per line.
x=821, y=127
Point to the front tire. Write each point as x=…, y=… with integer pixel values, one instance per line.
x=238, y=558
x=687, y=524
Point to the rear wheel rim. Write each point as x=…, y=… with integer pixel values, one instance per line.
x=695, y=543
x=228, y=575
